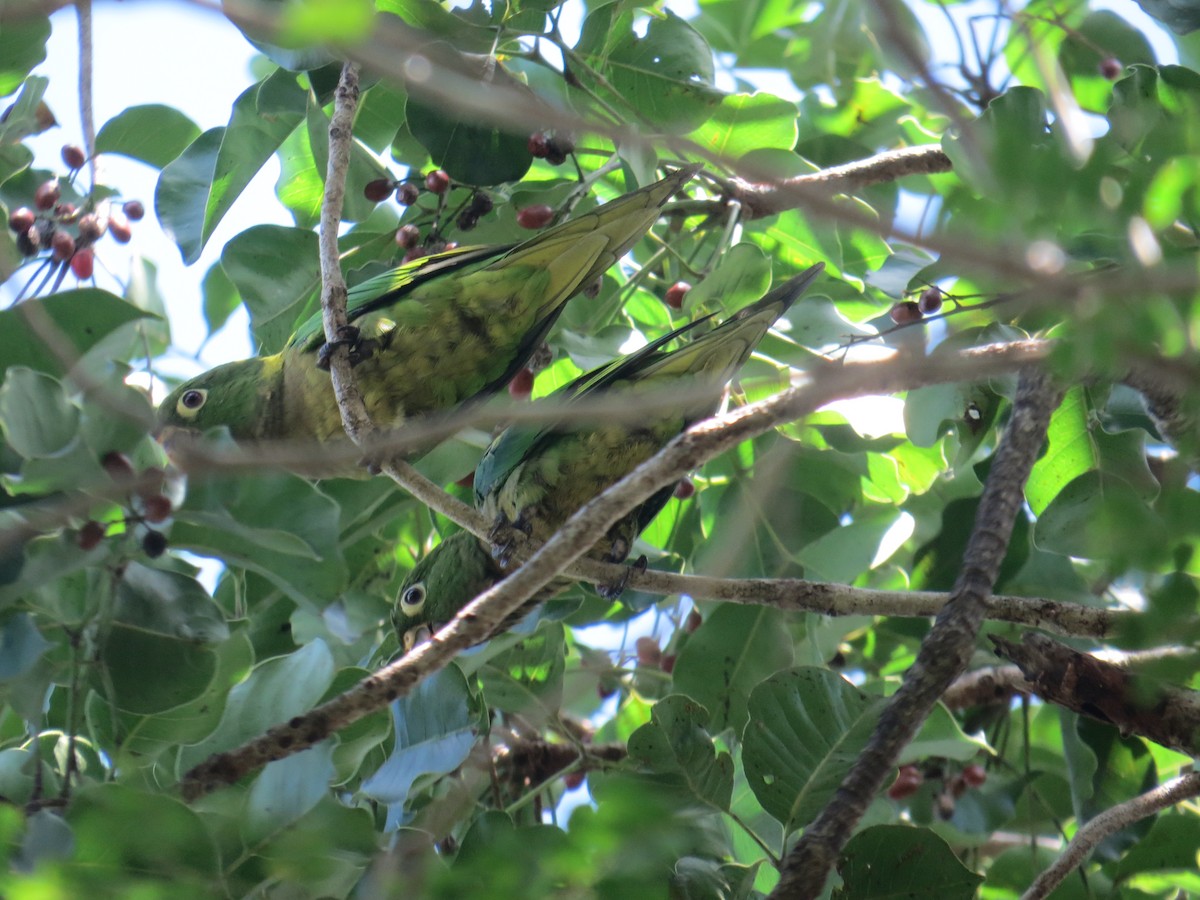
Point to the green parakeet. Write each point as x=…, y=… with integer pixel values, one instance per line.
x=435, y=333
x=535, y=477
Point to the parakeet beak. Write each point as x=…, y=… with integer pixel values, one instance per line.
x=418, y=635
x=176, y=441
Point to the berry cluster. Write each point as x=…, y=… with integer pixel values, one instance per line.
x=908, y=312
x=553, y=148
x=69, y=232
x=148, y=506
x=910, y=778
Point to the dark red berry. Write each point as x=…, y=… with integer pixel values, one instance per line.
x=82, y=263
x=693, y=621
x=73, y=156
x=154, y=544
x=378, y=190
x=64, y=212
x=481, y=203
x=930, y=301
x=467, y=480
x=134, y=210
x=408, y=194
x=536, y=216
x=47, y=194
x=908, y=780
x=648, y=652
x=118, y=227
x=449, y=245
x=408, y=235
x=21, y=219
x=592, y=291
x=974, y=774
x=415, y=253
x=156, y=508
x=573, y=780
x=604, y=691
x=91, y=227
x=522, y=385
x=117, y=465
x=1111, y=68
x=437, y=182
x=676, y=293
x=63, y=246
x=667, y=663
x=467, y=220
x=905, y=313
x=683, y=489
x=538, y=145
x=90, y=535
x=29, y=242
x=558, y=148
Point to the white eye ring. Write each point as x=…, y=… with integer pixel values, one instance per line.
x=191, y=402
x=412, y=601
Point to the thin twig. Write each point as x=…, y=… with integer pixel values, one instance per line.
x=1108, y=823
x=83, y=12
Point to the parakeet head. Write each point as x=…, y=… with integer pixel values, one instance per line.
x=453, y=574
x=237, y=395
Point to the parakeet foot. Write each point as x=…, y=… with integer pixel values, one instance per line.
x=614, y=589
x=501, y=537
x=348, y=336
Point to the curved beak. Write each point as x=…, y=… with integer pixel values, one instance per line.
x=416, y=635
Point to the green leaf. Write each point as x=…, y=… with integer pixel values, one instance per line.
x=22, y=47
x=435, y=731
x=154, y=134
x=807, y=727
x=1181, y=16
x=1170, y=846
x=280, y=526
x=275, y=691
x=119, y=830
x=25, y=117
x=21, y=645
x=286, y=790
x=70, y=323
x=1070, y=452
x=897, y=860
x=741, y=277
x=470, y=151
x=735, y=649
x=220, y=298
x=675, y=742
x=1100, y=516
x=745, y=122
x=527, y=679
x=37, y=418
x=667, y=75
x=197, y=189
x=277, y=272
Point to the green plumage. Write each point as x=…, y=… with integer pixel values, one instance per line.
x=442, y=330
x=537, y=476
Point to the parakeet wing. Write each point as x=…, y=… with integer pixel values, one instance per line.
x=518, y=443
x=394, y=285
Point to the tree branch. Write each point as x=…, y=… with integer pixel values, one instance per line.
x=1109, y=823
x=1134, y=704
x=945, y=651
x=761, y=200
x=333, y=286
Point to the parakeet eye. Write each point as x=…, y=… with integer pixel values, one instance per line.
x=190, y=402
x=412, y=600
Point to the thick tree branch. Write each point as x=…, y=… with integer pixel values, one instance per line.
x=1134, y=704
x=945, y=651
x=1108, y=823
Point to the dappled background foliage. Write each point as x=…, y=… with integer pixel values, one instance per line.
x=709, y=733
